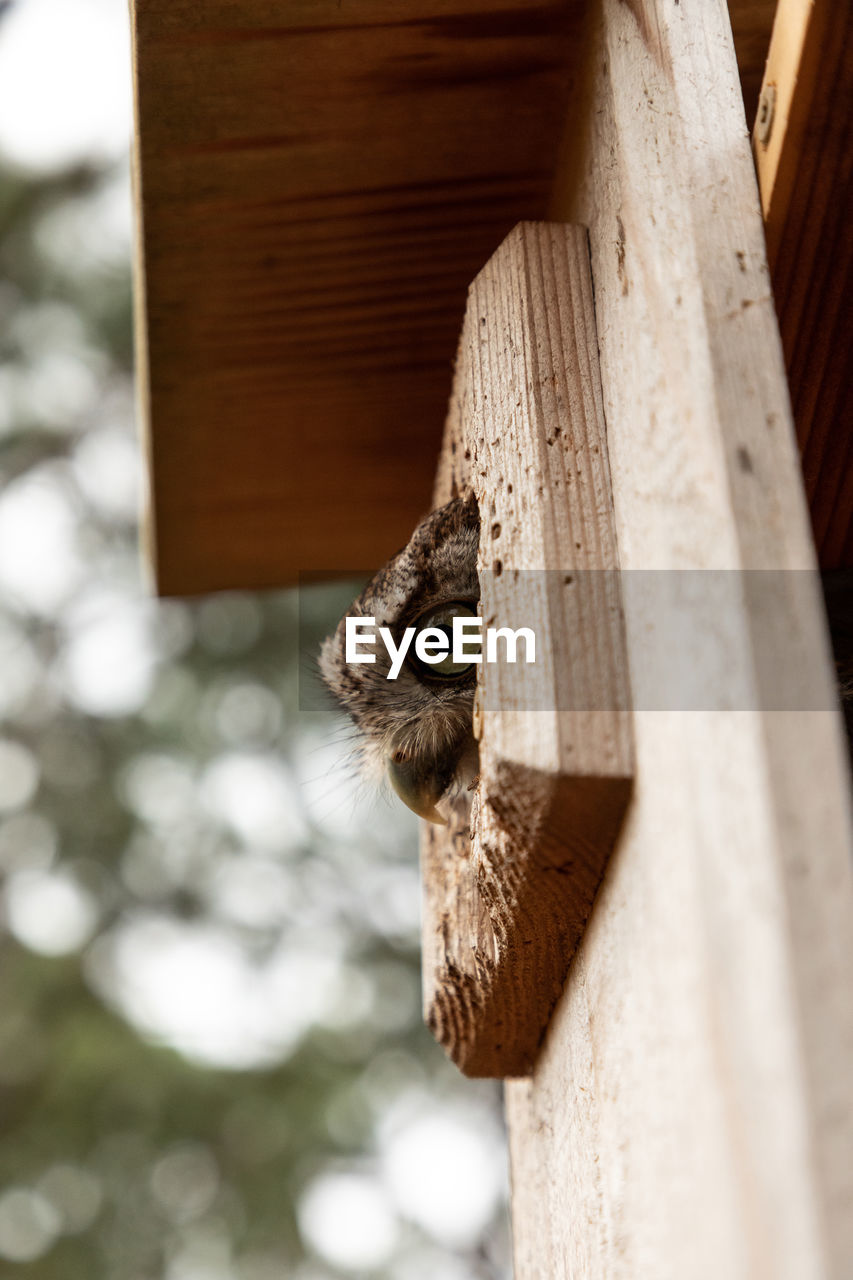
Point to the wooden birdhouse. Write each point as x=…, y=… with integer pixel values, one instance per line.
x=546, y=216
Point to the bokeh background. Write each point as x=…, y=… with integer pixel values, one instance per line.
x=212, y=1062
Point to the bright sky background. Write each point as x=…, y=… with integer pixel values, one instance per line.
x=65, y=86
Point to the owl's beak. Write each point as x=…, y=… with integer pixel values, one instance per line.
x=420, y=788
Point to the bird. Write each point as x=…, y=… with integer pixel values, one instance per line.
x=416, y=730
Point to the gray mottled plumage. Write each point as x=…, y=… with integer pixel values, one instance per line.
x=417, y=728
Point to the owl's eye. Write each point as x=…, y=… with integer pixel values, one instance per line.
x=441, y=620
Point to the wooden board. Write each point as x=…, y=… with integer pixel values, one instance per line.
x=318, y=187
x=805, y=172
x=317, y=184
x=504, y=910
x=690, y=1114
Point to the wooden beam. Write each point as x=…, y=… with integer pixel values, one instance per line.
x=318, y=186
x=804, y=160
x=526, y=433
x=788, y=86
x=691, y=1111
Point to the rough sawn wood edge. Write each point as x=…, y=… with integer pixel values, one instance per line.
x=505, y=905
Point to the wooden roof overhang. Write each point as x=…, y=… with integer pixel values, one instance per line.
x=317, y=184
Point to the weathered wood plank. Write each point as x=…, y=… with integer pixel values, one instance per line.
x=503, y=913
x=690, y=1114
x=805, y=175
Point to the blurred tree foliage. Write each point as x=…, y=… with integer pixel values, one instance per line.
x=128, y=1151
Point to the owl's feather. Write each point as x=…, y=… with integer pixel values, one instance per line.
x=417, y=722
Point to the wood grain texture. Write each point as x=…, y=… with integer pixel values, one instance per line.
x=690, y=1114
x=318, y=184
x=504, y=911
x=752, y=23
x=805, y=174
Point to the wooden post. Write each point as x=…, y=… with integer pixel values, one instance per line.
x=690, y=1113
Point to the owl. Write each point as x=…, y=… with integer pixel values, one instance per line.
x=417, y=729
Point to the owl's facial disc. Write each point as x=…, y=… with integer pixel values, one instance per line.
x=416, y=728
